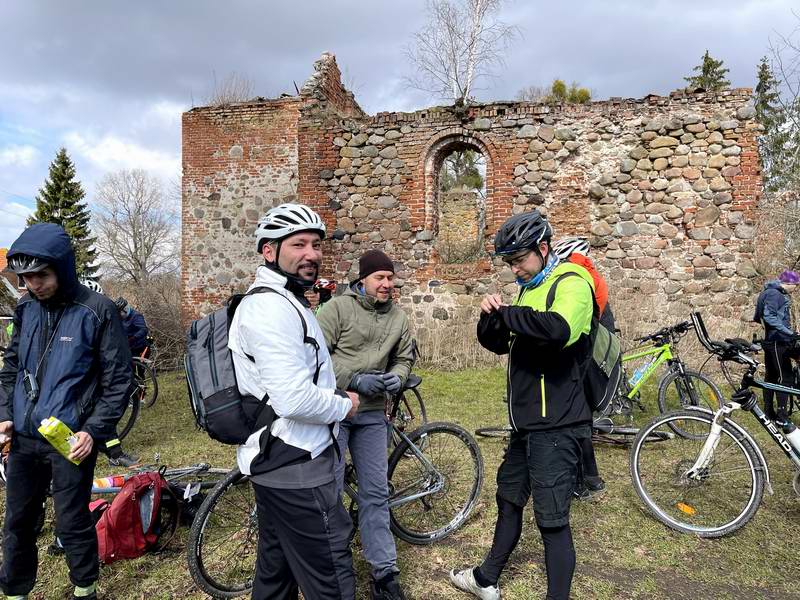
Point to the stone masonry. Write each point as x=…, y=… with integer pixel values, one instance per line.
x=666, y=188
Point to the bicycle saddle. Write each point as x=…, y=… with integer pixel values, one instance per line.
x=412, y=382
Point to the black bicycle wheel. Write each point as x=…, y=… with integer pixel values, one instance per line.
x=411, y=414
x=434, y=485
x=145, y=379
x=223, y=540
x=494, y=432
x=128, y=419
x=708, y=492
x=677, y=392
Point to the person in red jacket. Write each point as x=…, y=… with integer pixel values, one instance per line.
x=575, y=250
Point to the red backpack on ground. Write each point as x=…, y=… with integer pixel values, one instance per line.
x=141, y=518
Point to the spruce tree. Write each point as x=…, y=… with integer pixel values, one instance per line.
x=778, y=142
x=60, y=201
x=710, y=75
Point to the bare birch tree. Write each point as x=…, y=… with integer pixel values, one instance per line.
x=135, y=226
x=462, y=43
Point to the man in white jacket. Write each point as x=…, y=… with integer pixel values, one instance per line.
x=303, y=526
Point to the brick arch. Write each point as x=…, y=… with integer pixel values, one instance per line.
x=438, y=148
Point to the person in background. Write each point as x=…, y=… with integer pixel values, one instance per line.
x=773, y=312
x=68, y=358
x=372, y=351
x=576, y=251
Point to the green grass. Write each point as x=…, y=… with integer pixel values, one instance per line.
x=622, y=551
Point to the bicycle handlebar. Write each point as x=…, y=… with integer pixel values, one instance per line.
x=666, y=332
x=732, y=349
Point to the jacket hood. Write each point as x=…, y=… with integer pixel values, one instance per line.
x=51, y=243
x=366, y=301
x=774, y=285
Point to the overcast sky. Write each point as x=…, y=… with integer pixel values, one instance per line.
x=109, y=79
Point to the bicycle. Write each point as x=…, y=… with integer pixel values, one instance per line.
x=144, y=392
x=711, y=484
x=186, y=490
x=435, y=477
x=144, y=369
x=411, y=412
x=678, y=387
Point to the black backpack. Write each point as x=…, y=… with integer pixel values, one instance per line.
x=604, y=368
x=219, y=408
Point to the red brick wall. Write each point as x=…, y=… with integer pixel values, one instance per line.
x=238, y=161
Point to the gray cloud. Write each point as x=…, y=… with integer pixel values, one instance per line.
x=117, y=75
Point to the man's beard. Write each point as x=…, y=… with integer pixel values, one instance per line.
x=308, y=266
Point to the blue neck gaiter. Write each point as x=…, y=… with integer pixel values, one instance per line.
x=552, y=263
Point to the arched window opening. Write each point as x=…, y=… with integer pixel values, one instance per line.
x=461, y=203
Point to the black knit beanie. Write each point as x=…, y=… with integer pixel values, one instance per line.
x=372, y=261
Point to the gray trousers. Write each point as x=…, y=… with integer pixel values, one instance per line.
x=365, y=436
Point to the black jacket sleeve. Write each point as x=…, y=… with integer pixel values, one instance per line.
x=546, y=330
x=116, y=378
x=492, y=333
x=8, y=374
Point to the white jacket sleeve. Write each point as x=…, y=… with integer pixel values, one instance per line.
x=282, y=362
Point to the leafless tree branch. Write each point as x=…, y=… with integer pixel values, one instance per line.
x=462, y=43
x=135, y=226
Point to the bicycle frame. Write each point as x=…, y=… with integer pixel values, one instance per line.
x=662, y=352
x=433, y=488
x=721, y=416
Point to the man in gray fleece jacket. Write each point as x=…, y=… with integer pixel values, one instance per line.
x=372, y=352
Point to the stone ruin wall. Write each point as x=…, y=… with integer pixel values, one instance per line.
x=666, y=188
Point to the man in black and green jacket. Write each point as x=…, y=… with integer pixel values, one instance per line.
x=372, y=350
x=548, y=351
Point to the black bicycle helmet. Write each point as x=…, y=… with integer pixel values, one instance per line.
x=121, y=303
x=524, y=231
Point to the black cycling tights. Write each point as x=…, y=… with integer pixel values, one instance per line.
x=559, y=553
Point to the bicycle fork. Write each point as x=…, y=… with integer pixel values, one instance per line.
x=700, y=466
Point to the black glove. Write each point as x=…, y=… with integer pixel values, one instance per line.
x=368, y=384
x=392, y=383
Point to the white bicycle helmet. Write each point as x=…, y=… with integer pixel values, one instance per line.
x=286, y=219
x=92, y=285
x=566, y=246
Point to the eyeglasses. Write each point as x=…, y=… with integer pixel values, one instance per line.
x=515, y=260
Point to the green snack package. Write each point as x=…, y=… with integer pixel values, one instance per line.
x=60, y=437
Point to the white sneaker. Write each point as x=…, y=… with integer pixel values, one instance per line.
x=465, y=581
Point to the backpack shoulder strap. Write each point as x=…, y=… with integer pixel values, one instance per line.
x=551, y=293
x=551, y=296
x=307, y=339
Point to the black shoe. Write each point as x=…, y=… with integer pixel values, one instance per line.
x=387, y=588
x=92, y=596
x=55, y=548
x=594, y=483
x=124, y=460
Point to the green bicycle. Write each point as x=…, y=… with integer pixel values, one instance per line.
x=678, y=388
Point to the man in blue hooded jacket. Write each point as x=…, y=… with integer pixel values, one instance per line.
x=68, y=358
x=773, y=311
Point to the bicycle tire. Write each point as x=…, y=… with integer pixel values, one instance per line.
x=146, y=380
x=128, y=419
x=230, y=575
x=702, y=386
x=440, y=444
x=624, y=436
x=690, y=504
x=411, y=414
x=208, y=478
x=494, y=432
